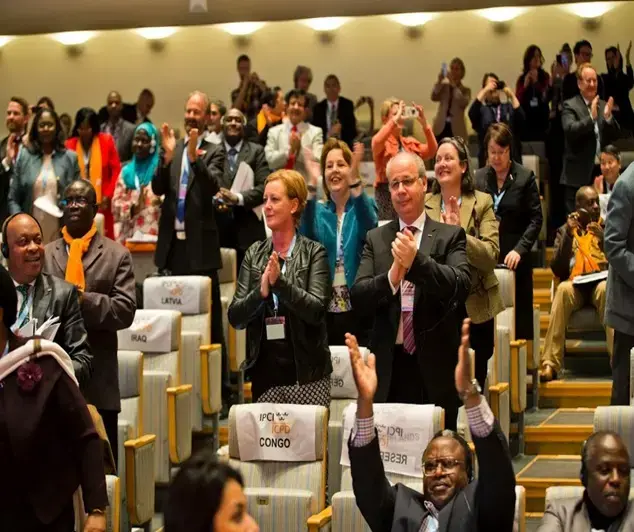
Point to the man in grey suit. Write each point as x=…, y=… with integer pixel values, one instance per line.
x=588, y=126
x=239, y=226
x=605, y=475
x=121, y=130
x=108, y=298
x=16, y=122
x=619, y=249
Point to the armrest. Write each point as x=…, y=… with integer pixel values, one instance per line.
x=499, y=403
x=211, y=378
x=318, y=521
x=190, y=350
x=518, y=376
x=139, y=478
x=179, y=416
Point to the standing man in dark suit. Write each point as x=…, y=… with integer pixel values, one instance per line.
x=42, y=296
x=619, y=249
x=101, y=269
x=17, y=121
x=189, y=177
x=588, y=126
x=453, y=501
x=121, y=130
x=414, y=278
x=335, y=115
x=134, y=113
x=239, y=226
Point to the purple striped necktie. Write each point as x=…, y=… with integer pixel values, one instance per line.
x=407, y=313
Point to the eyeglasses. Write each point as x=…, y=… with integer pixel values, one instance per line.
x=80, y=201
x=407, y=183
x=447, y=465
x=496, y=153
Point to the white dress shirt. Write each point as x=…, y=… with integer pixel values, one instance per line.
x=419, y=223
x=238, y=148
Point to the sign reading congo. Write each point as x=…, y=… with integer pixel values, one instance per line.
x=403, y=433
x=275, y=432
x=180, y=293
x=151, y=331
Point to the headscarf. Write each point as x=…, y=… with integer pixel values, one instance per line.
x=139, y=172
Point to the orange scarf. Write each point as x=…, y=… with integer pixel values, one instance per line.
x=265, y=117
x=95, y=165
x=78, y=246
x=588, y=256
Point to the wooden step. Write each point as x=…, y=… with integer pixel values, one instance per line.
x=541, y=297
x=562, y=432
x=575, y=393
x=550, y=251
x=542, y=277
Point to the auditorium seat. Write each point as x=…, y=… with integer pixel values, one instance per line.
x=167, y=410
x=283, y=495
x=191, y=296
x=142, y=259
x=619, y=419
x=136, y=448
x=520, y=509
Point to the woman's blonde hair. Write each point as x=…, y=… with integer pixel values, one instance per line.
x=387, y=105
x=333, y=144
x=295, y=186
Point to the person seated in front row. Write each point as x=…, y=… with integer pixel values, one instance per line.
x=605, y=475
x=452, y=499
x=578, y=251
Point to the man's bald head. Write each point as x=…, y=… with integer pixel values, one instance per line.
x=23, y=236
x=588, y=199
x=114, y=105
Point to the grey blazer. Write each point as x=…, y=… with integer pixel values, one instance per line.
x=619, y=249
x=26, y=171
x=571, y=515
x=124, y=142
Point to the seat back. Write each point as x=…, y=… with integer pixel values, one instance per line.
x=519, y=524
x=142, y=259
x=556, y=493
x=131, y=390
x=281, y=494
x=619, y=419
x=506, y=318
x=99, y=222
x=236, y=341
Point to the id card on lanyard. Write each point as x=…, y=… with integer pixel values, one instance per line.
x=275, y=326
x=340, y=275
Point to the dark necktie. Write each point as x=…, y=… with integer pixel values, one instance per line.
x=233, y=159
x=408, y=290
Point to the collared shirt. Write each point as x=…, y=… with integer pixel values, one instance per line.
x=238, y=148
x=481, y=422
x=419, y=223
x=213, y=137
x=179, y=226
x=332, y=111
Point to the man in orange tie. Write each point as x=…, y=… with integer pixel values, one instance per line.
x=101, y=269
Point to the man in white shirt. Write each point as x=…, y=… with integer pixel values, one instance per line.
x=217, y=110
x=285, y=143
x=413, y=281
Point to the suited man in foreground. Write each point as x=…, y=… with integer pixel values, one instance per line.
x=239, y=226
x=588, y=125
x=335, y=115
x=42, y=296
x=605, y=475
x=101, y=269
x=453, y=500
x=413, y=280
x=189, y=177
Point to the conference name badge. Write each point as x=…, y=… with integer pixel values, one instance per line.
x=275, y=328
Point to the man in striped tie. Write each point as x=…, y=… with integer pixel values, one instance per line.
x=413, y=281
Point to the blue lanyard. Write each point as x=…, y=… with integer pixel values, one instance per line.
x=497, y=198
x=340, y=237
x=276, y=303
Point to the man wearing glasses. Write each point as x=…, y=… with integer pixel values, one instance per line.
x=452, y=500
x=101, y=269
x=413, y=281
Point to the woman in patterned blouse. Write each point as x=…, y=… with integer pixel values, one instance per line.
x=135, y=208
x=340, y=225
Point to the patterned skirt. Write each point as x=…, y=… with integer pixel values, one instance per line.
x=313, y=393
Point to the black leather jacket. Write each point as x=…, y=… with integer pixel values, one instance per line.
x=304, y=291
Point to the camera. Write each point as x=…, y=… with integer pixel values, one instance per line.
x=410, y=112
x=501, y=85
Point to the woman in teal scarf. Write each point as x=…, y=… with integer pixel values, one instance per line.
x=135, y=208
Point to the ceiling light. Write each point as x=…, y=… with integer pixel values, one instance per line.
x=325, y=24
x=198, y=6
x=242, y=28
x=73, y=38
x=4, y=39
x=589, y=10
x=501, y=14
x=154, y=34
x=412, y=19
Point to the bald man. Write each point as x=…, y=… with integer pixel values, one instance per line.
x=121, y=130
x=41, y=296
x=586, y=220
x=605, y=475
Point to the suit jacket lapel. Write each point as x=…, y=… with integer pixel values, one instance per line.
x=426, y=246
x=41, y=299
x=177, y=163
x=432, y=207
x=466, y=211
x=94, y=252
x=60, y=256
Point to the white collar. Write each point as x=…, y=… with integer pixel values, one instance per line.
x=334, y=104
x=32, y=283
x=419, y=223
x=237, y=147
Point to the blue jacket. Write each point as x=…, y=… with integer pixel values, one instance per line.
x=319, y=222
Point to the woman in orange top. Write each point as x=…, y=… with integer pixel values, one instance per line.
x=389, y=141
x=98, y=161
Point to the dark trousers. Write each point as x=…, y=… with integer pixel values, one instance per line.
x=623, y=344
x=178, y=264
x=569, y=198
x=340, y=323
x=110, y=420
x=407, y=386
x=446, y=132
x=22, y=519
x=481, y=338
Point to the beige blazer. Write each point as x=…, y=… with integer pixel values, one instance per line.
x=571, y=515
x=478, y=220
x=278, y=147
x=461, y=97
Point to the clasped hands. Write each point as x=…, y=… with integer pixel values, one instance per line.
x=270, y=276
x=404, y=251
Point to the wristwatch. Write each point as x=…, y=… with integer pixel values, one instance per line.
x=473, y=389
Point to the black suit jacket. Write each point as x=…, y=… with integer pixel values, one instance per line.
x=128, y=113
x=345, y=115
x=240, y=227
x=442, y=277
x=203, y=245
x=580, y=140
x=486, y=504
x=56, y=297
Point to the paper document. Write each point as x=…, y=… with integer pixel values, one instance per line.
x=590, y=277
x=28, y=329
x=45, y=204
x=245, y=181
x=48, y=329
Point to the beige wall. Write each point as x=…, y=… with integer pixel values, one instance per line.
x=371, y=56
